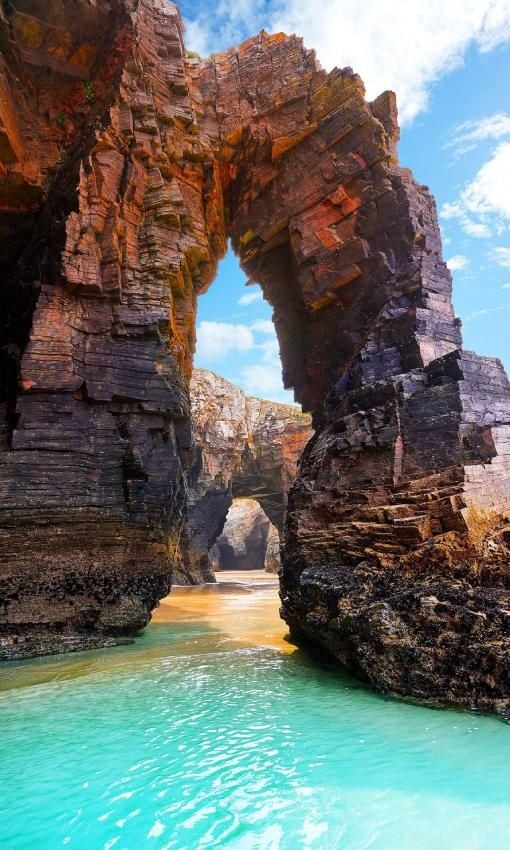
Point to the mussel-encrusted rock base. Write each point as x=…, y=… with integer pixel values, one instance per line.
x=125, y=166
x=385, y=566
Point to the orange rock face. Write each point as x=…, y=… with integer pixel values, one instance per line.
x=104, y=241
x=124, y=168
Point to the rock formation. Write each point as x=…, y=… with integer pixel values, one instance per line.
x=125, y=166
x=397, y=544
x=244, y=447
x=249, y=540
x=103, y=236
x=272, y=560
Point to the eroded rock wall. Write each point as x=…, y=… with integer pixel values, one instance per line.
x=105, y=232
x=411, y=445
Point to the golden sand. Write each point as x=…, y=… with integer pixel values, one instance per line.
x=243, y=605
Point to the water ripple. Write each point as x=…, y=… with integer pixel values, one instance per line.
x=190, y=744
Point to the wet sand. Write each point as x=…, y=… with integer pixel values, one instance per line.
x=242, y=604
x=241, y=609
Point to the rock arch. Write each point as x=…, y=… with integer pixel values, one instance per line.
x=248, y=541
x=125, y=166
x=244, y=447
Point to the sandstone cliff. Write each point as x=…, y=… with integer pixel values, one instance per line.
x=124, y=168
x=244, y=447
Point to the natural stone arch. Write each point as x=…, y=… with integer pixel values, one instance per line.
x=131, y=185
x=244, y=447
x=249, y=540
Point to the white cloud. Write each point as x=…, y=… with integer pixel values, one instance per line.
x=489, y=192
x=263, y=326
x=486, y=311
x=466, y=136
x=250, y=298
x=405, y=45
x=486, y=197
x=506, y=286
x=216, y=340
x=501, y=256
x=264, y=380
x=197, y=37
x=457, y=263
x=475, y=228
x=270, y=350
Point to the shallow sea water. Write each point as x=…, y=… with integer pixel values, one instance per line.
x=213, y=731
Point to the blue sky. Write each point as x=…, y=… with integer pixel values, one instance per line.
x=449, y=63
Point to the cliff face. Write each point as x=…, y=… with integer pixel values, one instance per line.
x=397, y=541
x=124, y=168
x=244, y=447
x=249, y=540
x=103, y=206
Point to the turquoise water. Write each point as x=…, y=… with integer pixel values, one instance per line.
x=192, y=738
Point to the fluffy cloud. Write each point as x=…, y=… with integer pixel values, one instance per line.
x=501, y=256
x=489, y=192
x=216, y=340
x=264, y=378
x=405, y=45
x=457, y=263
x=263, y=326
x=265, y=381
x=250, y=298
x=483, y=206
x=466, y=136
x=262, y=375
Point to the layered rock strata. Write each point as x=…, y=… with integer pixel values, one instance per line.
x=249, y=540
x=244, y=447
x=103, y=234
x=397, y=543
x=124, y=168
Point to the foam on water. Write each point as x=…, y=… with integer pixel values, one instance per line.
x=197, y=736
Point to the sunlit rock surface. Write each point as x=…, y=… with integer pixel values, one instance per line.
x=124, y=168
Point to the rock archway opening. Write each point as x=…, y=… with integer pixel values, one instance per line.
x=248, y=541
x=245, y=448
x=248, y=433
x=236, y=335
